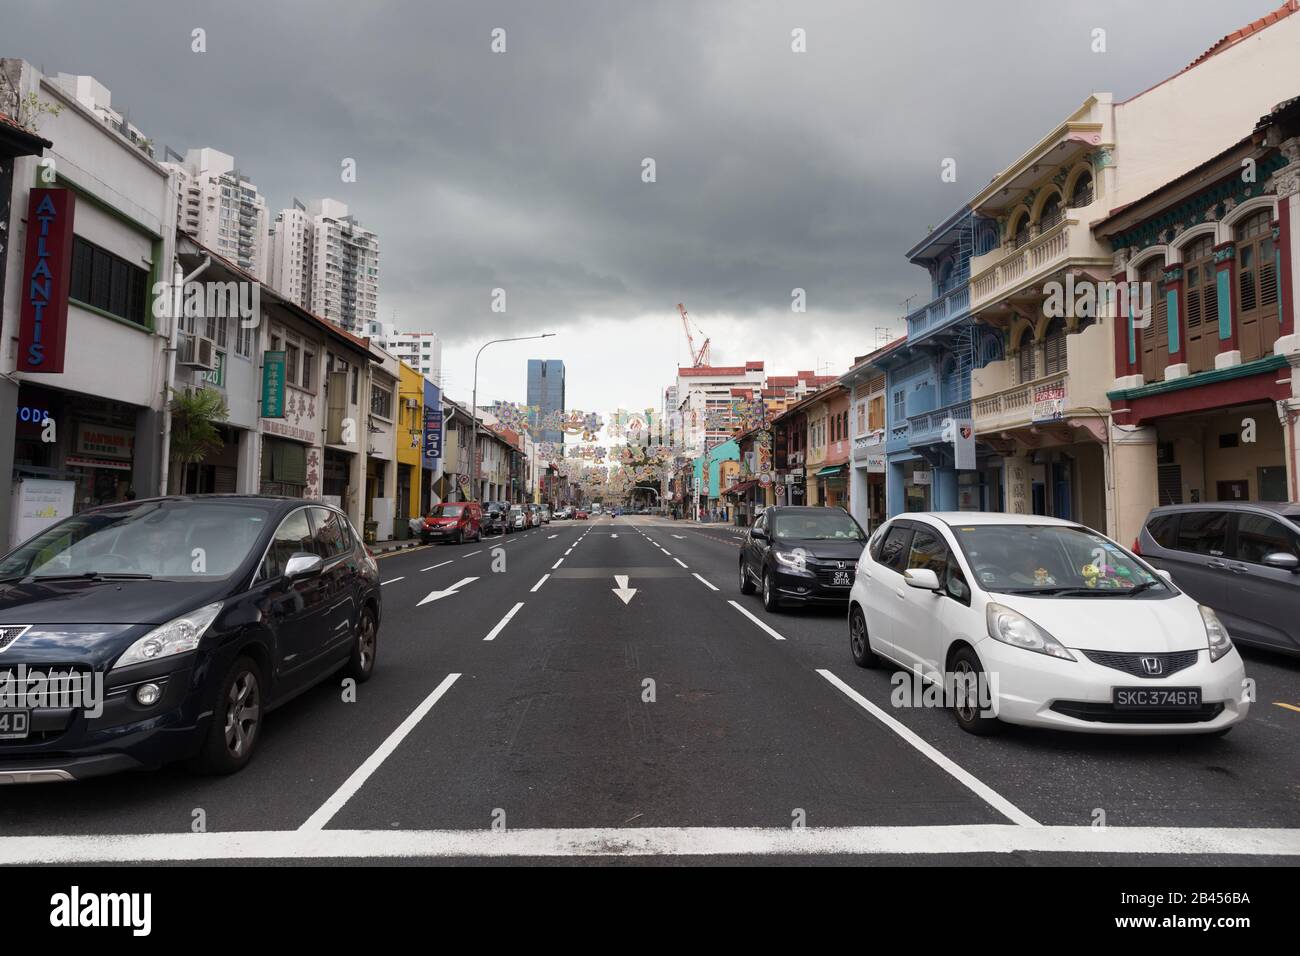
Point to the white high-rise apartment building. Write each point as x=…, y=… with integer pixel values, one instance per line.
x=324, y=260
x=420, y=350
x=712, y=388
x=221, y=208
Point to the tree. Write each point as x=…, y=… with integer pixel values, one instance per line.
x=195, y=414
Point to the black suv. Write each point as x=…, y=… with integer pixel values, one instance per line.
x=801, y=555
x=137, y=634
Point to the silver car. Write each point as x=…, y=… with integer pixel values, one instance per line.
x=1240, y=558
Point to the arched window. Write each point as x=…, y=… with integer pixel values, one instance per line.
x=1020, y=232
x=1054, y=347
x=1082, y=194
x=1257, y=313
x=1201, y=304
x=1051, y=213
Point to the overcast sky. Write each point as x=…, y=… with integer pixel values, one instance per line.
x=523, y=170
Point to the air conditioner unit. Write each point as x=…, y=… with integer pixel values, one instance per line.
x=412, y=403
x=197, y=351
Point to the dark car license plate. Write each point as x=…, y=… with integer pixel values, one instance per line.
x=1164, y=698
x=842, y=578
x=13, y=724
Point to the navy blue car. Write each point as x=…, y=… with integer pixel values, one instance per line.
x=138, y=634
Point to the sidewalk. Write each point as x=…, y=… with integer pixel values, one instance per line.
x=392, y=544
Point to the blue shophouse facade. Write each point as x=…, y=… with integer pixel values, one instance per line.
x=928, y=381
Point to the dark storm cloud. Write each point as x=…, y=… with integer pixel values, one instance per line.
x=523, y=170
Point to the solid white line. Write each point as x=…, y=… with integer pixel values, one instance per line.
x=756, y=620
x=432, y=566
x=504, y=621
x=702, y=581
x=557, y=564
x=317, y=821
x=392, y=580
x=647, y=841
x=540, y=582
x=680, y=561
x=981, y=789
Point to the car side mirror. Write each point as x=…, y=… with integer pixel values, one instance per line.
x=1282, y=561
x=303, y=565
x=758, y=535
x=922, y=578
x=1165, y=574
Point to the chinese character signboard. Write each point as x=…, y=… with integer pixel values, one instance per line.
x=432, y=426
x=273, y=384
x=46, y=279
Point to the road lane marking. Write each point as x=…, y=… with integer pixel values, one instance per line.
x=981, y=789
x=666, y=551
x=702, y=581
x=557, y=564
x=680, y=537
x=432, y=566
x=1278, y=703
x=392, y=580
x=550, y=536
x=745, y=612
x=316, y=822
x=955, y=840
x=471, y=554
x=625, y=593
x=501, y=624
x=540, y=582
x=448, y=592
x=680, y=561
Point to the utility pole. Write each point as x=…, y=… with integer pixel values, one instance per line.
x=473, y=410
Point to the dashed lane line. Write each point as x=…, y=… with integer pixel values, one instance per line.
x=540, y=582
x=703, y=581
x=501, y=624
x=432, y=566
x=392, y=580
x=745, y=612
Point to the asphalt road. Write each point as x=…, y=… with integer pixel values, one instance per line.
x=530, y=711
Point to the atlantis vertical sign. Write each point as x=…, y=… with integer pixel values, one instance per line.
x=46, y=279
x=432, y=426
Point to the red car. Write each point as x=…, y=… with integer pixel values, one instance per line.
x=580, y=513
x=458, y=521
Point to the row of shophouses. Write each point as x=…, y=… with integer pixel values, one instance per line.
x=1010, y=392
x=95, y=340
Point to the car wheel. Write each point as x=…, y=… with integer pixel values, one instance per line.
x=460, y=536
x=770, y=601
x=859, y=643
x=362, y=663
x=746, y=585
x=236, y=721
x=968, y=674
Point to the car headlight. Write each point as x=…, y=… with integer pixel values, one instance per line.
x=794, y=560
x=177, y=636
x=1012, y=627
x=1220, y=642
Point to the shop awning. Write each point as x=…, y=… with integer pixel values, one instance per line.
x=829, y=470
x=739, y=488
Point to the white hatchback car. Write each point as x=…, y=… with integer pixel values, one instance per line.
x=1040, y=621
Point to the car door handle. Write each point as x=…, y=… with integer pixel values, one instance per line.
x=1238, y=568
x=1219, y=565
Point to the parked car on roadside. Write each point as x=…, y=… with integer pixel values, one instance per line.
x=199, y=615
x=1240, y=558
x=457, y=521
x=801, y=555
x=517, y=518
x=494, y=517
x=1038, y=621
x=546, y=514
x=581, y=514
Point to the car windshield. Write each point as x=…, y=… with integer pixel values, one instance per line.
x=446, y=511
x=817, y=525
x=1049, y=560
x=169, y=539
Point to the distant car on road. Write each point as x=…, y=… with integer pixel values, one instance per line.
x=1240, y=558
x=801, y=555
x=581, y=514
x=192, y=654
x=457, y=521
x=1049, y=622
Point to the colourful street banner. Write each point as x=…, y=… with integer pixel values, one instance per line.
x=273, y=384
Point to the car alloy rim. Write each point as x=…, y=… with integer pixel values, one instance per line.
x=366, y=644
x=964, y=686
x=243, y=709
x=742, y=574
x=857, y=636
x=767, y=587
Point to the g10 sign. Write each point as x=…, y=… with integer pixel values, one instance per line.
x=46, y=279
x=432, y=426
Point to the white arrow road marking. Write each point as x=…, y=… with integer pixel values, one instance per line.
x=439, y=595
x=623, y=591
x=613, y=536
x=501, y=624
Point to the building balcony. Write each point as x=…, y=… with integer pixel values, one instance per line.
x=897, y=436
x=866, y=445
x=928, y=428
x=944, y=311
x=1007, y=270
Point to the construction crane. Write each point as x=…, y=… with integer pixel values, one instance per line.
x=701, y=358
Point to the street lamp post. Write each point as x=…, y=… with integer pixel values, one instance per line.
x=473, y=411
